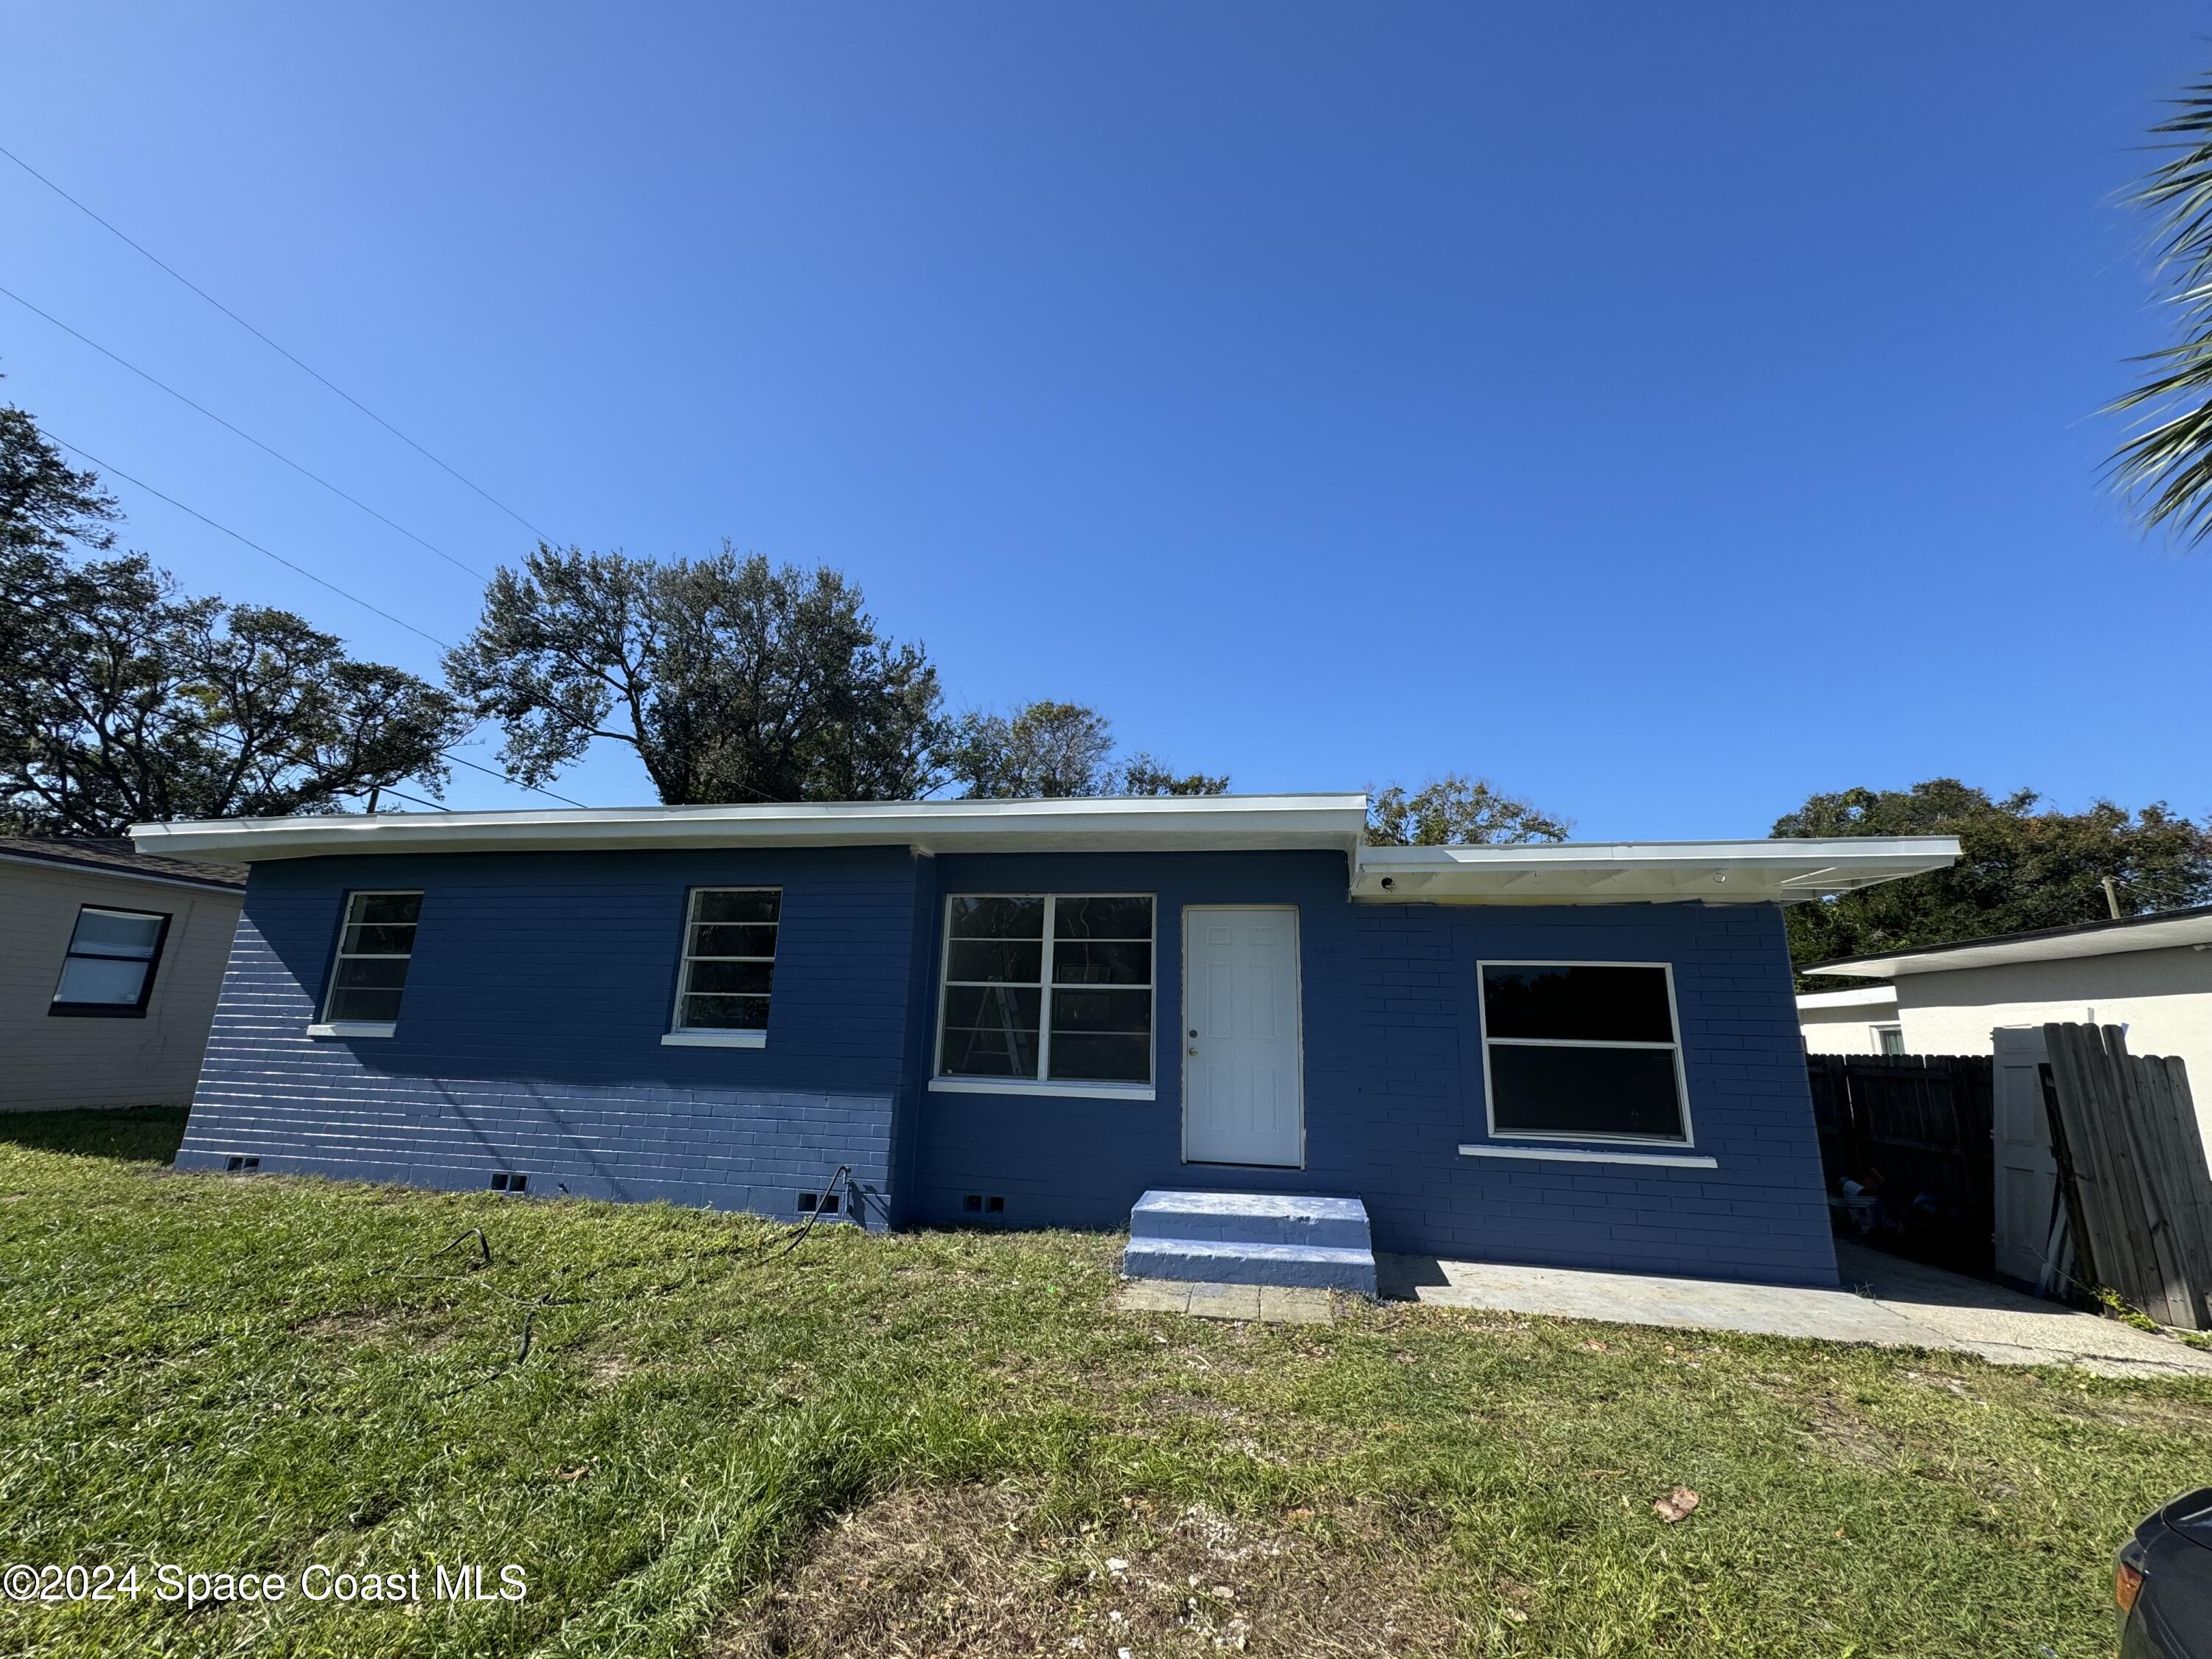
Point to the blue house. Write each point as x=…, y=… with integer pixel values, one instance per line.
x=1032, y=1013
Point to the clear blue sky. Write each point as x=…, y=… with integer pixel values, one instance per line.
x=1666, y=411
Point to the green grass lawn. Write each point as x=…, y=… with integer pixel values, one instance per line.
x=947, y=1442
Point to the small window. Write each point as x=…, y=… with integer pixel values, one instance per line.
x=1056, y=989
x=1889, y=1039
x=1582, y=1050
x=373, y=950
x=109, y=969
x=729, y=959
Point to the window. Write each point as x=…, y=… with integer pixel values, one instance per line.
x=371, y=970
x=1051, y=989
x=109, y=969
x=1582, y=1050
x=729, y=965
x=1889, y=1039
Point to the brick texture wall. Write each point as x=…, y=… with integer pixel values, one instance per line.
x=1394, y=1081
x=529, y=1039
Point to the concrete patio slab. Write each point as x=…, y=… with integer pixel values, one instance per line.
x=1285, y=1304
x=1890, y=1302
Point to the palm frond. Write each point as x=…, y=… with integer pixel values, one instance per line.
x=2166, y=469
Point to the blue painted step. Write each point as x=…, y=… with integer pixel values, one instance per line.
x=1251, y=1218
x=1251, y=1238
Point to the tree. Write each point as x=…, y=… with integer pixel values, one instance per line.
x=733, y=680
x=121, y=702
x=45, y=503
x=1454, y=811
x=2019, y=869
x=1053, y=750
x=2166, y=469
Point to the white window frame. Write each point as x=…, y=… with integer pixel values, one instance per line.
x=1042, y=1084
x=1878, y=1032
x=1688, y=1137
x=327, y=1027
x=680, y=1036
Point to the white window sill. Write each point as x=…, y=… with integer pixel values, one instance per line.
x=1579, y=1155
x=995, y=1085
x=354, y=1028
x=714, y=1040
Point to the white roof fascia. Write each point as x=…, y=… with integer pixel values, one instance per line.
x=1170, y=824
x=1784, y=870
x=2064, y=947
x=1859, y=996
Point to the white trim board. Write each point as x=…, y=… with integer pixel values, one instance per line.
x=1577, y=1155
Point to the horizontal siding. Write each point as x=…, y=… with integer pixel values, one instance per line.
x=49, y=1064
x=529, y=1036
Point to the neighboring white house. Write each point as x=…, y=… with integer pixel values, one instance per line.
x=110, y=964
x=2152, y=974
x=1860, y=1021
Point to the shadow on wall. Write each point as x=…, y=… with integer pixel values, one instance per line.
x=137, y=1134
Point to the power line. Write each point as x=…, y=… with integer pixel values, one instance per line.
x=458, y=759
x=75, y=449
x=325, y=379
x=241, y=432
x=313, y=577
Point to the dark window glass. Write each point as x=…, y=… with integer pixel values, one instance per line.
x=1584, y=1091
x=729, y=958
x=991, y=1030
x=1102, y=918
x=997, y=917
x=109, y=965
x=737, y=904
x=1000, y=981
x=375, y=947
x=1582, y=1002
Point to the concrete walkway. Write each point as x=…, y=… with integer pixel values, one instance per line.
x=1887, y=1301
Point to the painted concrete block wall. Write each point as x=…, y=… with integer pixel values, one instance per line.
x=2164, y=997
x=1844, y=1030
x=1394, y=1081
x=529, y=1037
x=52, y=1064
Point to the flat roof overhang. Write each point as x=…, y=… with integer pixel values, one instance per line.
x=1163, y=824
x=2158, y=932
x=1778, y=871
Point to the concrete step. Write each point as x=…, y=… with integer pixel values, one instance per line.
x=1251, y=1218
x=1215, y=1261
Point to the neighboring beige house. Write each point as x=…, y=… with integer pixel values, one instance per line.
x=2152, y=974
x=110, y=962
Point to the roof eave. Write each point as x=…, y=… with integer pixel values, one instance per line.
x=1776, y=871
x=1331, y=823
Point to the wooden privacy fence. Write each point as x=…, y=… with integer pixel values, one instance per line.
x=2134, y=1201
x=1919, y=1124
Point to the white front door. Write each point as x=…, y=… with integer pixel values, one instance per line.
x=1243, y=1084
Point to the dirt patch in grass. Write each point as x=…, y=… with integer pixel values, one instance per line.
x=973, y=1573
x=1847, y=1437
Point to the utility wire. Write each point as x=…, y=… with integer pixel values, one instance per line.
x=325, y=379
x=77, y=450
x=241, y=432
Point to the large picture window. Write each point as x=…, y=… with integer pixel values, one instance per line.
x=1582, y=1050
x=1053, y=988
x=110, y=966
x=729, y=960
x=374, y=948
